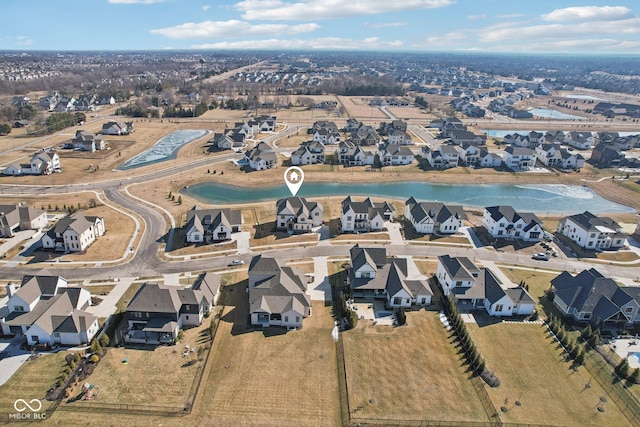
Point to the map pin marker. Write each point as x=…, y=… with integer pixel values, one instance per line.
x=293, y=177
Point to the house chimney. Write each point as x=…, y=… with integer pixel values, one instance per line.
x=11, y=289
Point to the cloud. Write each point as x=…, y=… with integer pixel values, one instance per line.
x=448, y=39
x=587, y=13
x=230, y=29
x=23, y=41
x=577, y=46
x=476, y=17
x=206, y=7
x=324, y=9
x=332, y=43
x=134, y=1
x=385, y=24
x=510, y=16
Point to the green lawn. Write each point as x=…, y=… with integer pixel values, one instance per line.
x=533, y=372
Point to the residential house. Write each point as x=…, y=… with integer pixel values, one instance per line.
x=395, y=155
x=398, y=136
x=444, y=157
x=309, y=153
x=117, y=128
x=327, y=136
x=365, y=216
x=85, y=141
x=505, y=222
x=589, y=297
x=74, y=233
x=352, y=125
x=47, y=311
x=461, y=136
x=387, y=128
x=592, y=232
x=580, y=140
x=49, y=102
x=553, y=156
x=350, y=154
x=469, y=154
x=297, y=215
x=527, y=141
x=606, y=156
x=373, y=275
x=20, y=217
x=262, y=124
x=212, y=225
x=433, y=217
x=261, y=157
x=365, y=135
x=488, y=160
x=478, y=288
x=323, y=124
x=157, y=313
x=519, y=158
x=20, y=101
x=43, y=162
x=277, y=294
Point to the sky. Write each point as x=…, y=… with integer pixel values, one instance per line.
x=500, y=26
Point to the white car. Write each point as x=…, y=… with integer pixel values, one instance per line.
x=541, y=256
x=236, y=262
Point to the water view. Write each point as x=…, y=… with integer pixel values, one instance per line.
x=165, y=149
x=549, y=113
x=542, y=199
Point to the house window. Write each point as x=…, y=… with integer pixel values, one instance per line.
x=286, y=318
x=593, y=235
x=18, y=308
x=586, y=315
x=35, y=339
x=498, y=307
x=628, y=310
x=186, y=317
x=297, y=319
x=397, y=301
x=459, y=283
x=56, y=334
x=366, y=275
x=349, y=218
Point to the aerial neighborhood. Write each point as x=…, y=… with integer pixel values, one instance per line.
x=320, y=238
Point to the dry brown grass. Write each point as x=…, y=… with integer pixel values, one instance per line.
x=412, y=372
x=426, y=267
x=268, y=377
x=532, y=370
x=157, y=376
x=622, y=256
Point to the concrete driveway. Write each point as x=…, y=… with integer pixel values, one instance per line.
x=13, y=358
x=320, y=289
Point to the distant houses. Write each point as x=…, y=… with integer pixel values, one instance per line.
x=309, y=153
x=479, y=288
x=297, y=215
x=505, y=222
x=433, y=217
x=85, y=141
x=117, y=128
x=277, y=294
x=211, y=225
x=43, y=162
x=592, y=232
x=74, y=233
x=350, y=154
x=365, y=216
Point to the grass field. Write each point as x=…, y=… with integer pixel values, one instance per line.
x=538, y=283
x=31, y=381
x=270, y=377
x=411, y=372
x=533, y=372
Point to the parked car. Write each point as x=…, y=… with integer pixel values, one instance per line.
x=236, y=262
x=541, y=256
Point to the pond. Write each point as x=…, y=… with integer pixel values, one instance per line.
x=549, y=113
x=540, y=198
x=165, y=148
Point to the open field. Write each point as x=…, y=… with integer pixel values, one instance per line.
x=410, y=372
x=538, y=283
x=248, y=366
x=540, y=379
x=358, y=106
x=31, y=381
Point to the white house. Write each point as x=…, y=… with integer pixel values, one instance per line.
x=580, y=140
x=478, y=288
x=212, y=225
x=373, y=275
x=592, y=232
x=74, y=233
x=20, y=217
x=553, y=156
x=297, y=215
x=43, y=162
x=433, y=217
x=395, y=155
x=398, y=136
x=277, y=294
x=519, y=158
x=469, y=154
x=504, y=221
x=262, y=157
x=49, y=312
x=488, y=160
x=308, y=154
x=327, y=136
x=365, y=216
x=350, y=154
x=444, y=157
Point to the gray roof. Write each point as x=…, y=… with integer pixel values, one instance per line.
x=296, y=205
x=152, y=298
x=507, y=212
x=437, y=211
x=589, y=221
x=367, y=206
x=210, y=219
x=459, y=268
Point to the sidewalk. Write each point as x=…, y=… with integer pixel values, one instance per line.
x=320, y=289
